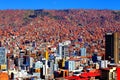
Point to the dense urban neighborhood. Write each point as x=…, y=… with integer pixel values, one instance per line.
x=65, y=44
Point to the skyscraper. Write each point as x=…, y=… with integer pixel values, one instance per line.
x=3, y=56
x=112, y=46
x=82, y=51
x=60, y=50
x=116, y=47
x=63, y=50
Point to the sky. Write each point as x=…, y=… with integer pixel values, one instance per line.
x=60, y=4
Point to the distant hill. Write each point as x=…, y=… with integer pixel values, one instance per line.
x=47, y=25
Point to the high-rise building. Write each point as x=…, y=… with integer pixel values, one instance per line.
x=82, y=51
x=3, y=56
x=70, y=65
x=60, y=50
x=63, y=50
x=112, y=46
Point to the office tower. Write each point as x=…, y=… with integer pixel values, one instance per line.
x=63, y=50
x=112, y=46
x=83, y=52
x=60, y=50
x=3, y=55
x=3, y=59
x=70, y=65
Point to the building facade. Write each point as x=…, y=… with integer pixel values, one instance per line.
x=112, y=47
x=63, y=50
x=83, y=52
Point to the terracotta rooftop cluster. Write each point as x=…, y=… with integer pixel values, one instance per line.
x=80, y=26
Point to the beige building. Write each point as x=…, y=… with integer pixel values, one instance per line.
x=116, y=47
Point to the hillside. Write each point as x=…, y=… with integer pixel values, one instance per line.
x=58, y=25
